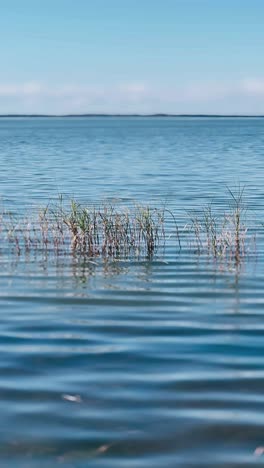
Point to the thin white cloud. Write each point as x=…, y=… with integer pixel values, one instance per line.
x=24, y=89
x=253, y=86
x=34, y=97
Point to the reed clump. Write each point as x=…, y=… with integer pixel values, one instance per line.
x=222, y=236
x=113, y=231
x=91, y=231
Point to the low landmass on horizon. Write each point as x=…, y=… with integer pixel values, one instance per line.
x=132, y=115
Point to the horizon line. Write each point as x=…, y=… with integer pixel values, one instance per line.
x=83, y=115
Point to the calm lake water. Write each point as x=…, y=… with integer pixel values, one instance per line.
x=135, y=362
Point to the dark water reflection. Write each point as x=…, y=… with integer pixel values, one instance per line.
x=133, y=362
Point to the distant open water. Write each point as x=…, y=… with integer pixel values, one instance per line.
x=132, y=363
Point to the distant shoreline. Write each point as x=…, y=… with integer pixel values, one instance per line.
x=202, y=116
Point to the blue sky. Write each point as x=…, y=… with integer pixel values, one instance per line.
x=178, y=56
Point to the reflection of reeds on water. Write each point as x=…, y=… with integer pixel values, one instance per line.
x=109, y=231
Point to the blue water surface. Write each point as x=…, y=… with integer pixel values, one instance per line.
x=132, y=362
